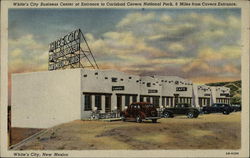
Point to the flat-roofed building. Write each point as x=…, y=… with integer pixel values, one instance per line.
x=45, y=99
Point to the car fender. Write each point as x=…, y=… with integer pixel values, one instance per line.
x=166, y=110
x=142, y=115
x=193, y=110
x=122, y=113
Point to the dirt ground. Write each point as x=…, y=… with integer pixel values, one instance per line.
x=212, y=131
x=19, y=134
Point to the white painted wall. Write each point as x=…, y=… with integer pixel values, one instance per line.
x=100, y=81
x=169, y=87
x=45, y=99
x=154, y=85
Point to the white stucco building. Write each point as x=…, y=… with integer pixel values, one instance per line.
x=45, y=99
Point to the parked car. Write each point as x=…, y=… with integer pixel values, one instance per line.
x=236, y=107
x=218, y=108
x=140, y=111
x=181, y=109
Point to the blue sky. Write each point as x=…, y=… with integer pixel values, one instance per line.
x=202, y=45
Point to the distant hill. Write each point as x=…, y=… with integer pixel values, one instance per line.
x=235, y=90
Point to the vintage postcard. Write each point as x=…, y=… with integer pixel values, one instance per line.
x=124, y=78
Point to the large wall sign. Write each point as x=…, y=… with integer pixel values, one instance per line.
x=74, y=36
x=67, y=52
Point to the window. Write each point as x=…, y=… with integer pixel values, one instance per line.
x=153, y=83
x=121, y=79
x=167, y=101
x=200, y=101
x=176, y=82
x=130, y=78
x=163, y=101
x=137, y=80
x=84, y=75
x=107, y=103
x=156, y=101
x=134, y=98
x=141, y=99
x=114, y=79
x=96, y=73
x=98, y=102
x=171, y=101
x=106, y=78
x=127, y=99
x=148, y=99
x=119, y=102
x=148, y=84
x=87, y=104
x=143, y=82
x=208, y=102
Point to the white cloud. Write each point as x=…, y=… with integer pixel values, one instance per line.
x=176, y=47
x=166, y=18
x=26, y=54
x=135, y=18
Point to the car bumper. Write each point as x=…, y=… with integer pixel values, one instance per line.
x=152, y=118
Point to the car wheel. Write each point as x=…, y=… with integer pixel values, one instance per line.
x=138, y=119
x=225, y=112
x=167, y=115
x=206, y=112
x=154, y=120
x=123, y=118
x=190, y=115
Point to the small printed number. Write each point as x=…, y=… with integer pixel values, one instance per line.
x=232, y=153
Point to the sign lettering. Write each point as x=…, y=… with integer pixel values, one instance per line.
x=73, y=36
x=224, y=94
x=181, y=88
x=63, y=52
x=152, y=91
x=118, y=88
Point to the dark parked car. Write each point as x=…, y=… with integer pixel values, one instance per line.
x=218, y=108
x=236, y=107
x=140, y=111
x=181, y=109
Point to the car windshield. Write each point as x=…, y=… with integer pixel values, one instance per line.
x=149, y=105
x=182, y=105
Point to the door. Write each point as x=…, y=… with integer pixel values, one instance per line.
x=134, y=110
x=119, y=102
x=214, y=108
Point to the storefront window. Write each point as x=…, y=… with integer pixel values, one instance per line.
x=98, y=102
x=87, y=105
x=156, y=101
x=119, y=102
x=107, y=103
x=134, y=98
x=127, y=100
